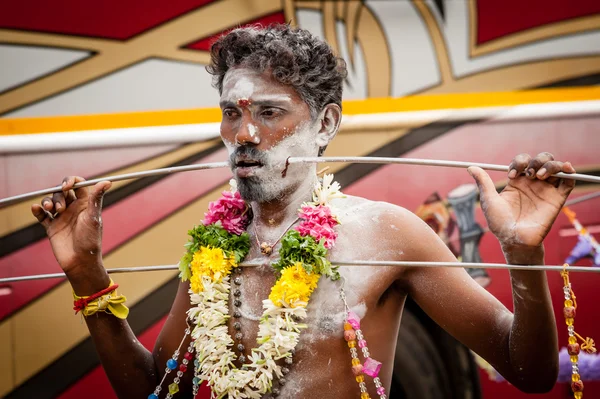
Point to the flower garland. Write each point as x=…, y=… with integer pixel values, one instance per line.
x=215, y=248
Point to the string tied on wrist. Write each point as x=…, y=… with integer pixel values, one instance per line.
x=106, y=300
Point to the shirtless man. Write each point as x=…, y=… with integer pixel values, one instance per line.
x=281, y=95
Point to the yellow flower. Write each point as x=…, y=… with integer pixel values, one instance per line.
x=196, y=283
x=210, y=262
x=295, y=285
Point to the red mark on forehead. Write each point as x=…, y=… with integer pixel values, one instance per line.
x=243, y=102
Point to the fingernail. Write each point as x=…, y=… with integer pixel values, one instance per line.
x=541, y=172
x=512, y=174
x=470, y=172
x=529, y=172
x=58, y=206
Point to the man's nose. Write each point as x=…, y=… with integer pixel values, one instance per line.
x=248, y=133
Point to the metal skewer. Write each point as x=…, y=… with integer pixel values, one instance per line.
x=377, y=160
x=127, y=176
x=582, y=198
x=356, y=263
x=432, y=162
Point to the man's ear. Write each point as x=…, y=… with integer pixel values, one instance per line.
x=330, y=119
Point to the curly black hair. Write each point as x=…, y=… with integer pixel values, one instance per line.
x=294, y=56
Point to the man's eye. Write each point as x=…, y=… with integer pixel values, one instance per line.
x=230, y=113
x=270, y=113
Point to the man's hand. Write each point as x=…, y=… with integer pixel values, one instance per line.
x=523, y=213
x=73, y=222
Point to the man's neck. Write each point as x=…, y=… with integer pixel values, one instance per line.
x=285, y=208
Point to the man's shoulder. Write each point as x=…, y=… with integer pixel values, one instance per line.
x=377, y=214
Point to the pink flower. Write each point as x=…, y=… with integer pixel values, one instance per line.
x=230, y=211
x=318, y=222
x=318, y=214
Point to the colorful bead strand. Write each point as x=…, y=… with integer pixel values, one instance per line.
x=371, y=367
x=357, y=368
x=173, y=365
x=573, y=347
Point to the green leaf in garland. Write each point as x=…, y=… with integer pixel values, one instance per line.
x=312, y=254
x=215, y=236
x=184, y=267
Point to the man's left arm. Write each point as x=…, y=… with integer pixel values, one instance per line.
x=523, y=347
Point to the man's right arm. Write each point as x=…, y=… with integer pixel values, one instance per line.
x=75, y=234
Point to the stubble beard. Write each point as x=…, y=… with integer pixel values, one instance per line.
x=269, y=185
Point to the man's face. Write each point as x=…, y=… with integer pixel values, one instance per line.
x=264, y=123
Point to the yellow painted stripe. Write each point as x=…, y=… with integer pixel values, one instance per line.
x=10, y=126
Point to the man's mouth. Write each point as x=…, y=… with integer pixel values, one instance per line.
x=247, y=167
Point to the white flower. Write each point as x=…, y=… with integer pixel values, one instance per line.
x=278, y=333
x=326, y=191
x=233, y=187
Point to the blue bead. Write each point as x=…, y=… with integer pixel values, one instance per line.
x=196, y=363
x=172, y=364
x=196, y=381
x=152, y=396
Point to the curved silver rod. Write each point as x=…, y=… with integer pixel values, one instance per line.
x=431, y=162
x=582, y=198
x=584, y=269
x=127, y=176
x=377, y=160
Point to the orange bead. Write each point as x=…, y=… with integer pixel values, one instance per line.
x=355, y=362
x=575, y=377
x=569, y=321
x=348, y=326
x=568, y=303
x=574, y=359
x=364, y=395
x=578, y=395
x=360, y=378
x=572, y=340
x=351, y=344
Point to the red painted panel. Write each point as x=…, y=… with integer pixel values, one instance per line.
x=205, y=43
x=111, y=19
x=122, y=222
x=496, y=19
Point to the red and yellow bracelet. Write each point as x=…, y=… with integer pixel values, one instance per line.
x=106, y=300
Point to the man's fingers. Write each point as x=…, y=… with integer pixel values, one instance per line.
x=60, y=204
x=487, y=190
x=40, y=214
x=536, y=164
x=96, y=196
x=548, y=169
x=48, y=204
x=70, y=196
x=566, y=185
x=69, y=182
x=518, y=165
x=568, y=168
